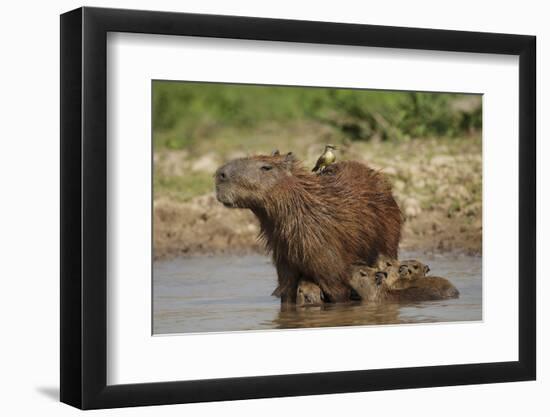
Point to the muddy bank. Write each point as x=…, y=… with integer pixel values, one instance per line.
x=437, y=184
x=202, y=226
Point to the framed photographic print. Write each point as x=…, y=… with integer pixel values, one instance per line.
x=256, y=208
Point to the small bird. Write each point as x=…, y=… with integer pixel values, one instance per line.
x=325, y=159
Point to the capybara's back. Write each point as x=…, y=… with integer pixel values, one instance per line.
x=428, y=288
x=366, y=197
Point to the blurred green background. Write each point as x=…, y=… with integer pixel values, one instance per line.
x=184, y=113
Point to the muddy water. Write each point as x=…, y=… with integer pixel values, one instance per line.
x=218, y=294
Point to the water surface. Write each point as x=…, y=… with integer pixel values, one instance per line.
x=230, y=293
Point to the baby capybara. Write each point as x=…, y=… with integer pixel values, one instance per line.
x=316, y=225
x=371, y=285
x=399, y=273
x=308, y=294
x=412, y=269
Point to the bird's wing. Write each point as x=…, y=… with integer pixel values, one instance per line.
x=318, y=164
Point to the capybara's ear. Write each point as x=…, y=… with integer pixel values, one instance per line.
x=426, y=269
x=289, y=160
x=275, y=152
x=402, y=268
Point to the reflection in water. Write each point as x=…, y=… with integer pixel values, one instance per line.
x=330, y=315
x=216, y=294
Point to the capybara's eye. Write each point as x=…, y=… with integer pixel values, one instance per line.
x=416, y=267
x=266, y=167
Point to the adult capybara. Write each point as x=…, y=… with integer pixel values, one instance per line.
x=316, y=225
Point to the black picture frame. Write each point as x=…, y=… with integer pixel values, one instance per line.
x=84, y=207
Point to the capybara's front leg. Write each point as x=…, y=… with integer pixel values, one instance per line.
x=287, y=283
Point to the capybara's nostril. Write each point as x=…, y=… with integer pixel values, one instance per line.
x=221, y=175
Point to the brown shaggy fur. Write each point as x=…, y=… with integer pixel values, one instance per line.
x=430, y=288
x=317, y=226
x=412, y=269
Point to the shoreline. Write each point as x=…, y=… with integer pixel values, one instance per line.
x=410, y=253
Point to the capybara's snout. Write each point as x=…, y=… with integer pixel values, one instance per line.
x=222, y=174
x=379, y=277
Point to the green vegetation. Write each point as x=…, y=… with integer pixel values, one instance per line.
x=186, y=114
